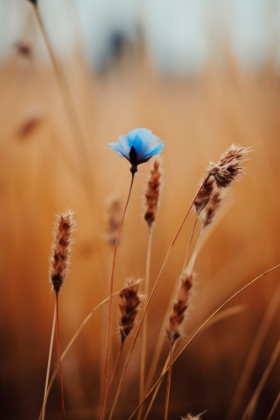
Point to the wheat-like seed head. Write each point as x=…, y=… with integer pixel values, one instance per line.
x=204, y=194
x=61, y=249
x=179, y=307
x=229, y=168
x=152, y=192
x=128, y=308
x=209, y=211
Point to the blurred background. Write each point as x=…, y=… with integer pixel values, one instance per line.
x=201, y=75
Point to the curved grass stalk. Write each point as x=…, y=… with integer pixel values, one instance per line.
x=273, y=408
x=168, y=386
x=218, y=317
x=71, y=342
x=254, y=353
x=151, y=296
x=110, y=302
x=208, y=319
x=161, y=335
x=48, y=366
x=145, y=322
x=251, y=407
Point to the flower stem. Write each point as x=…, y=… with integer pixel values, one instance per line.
x=144, y=335
x=150, y=298
x=109, y=326
x=48, y=366
x=168, y=381
x=59, y=361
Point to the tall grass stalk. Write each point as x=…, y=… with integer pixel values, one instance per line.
x=161, y=335
x=202, y=326
x=218, y=317
x=145, y=321
x=273, y=408
x=110, y=302
x=168, y=385
x=254, y=353
x=59, y=359
x=150, y=298
x=70, y=344
x=73, y=118
x=251, y=407
x=48, y=366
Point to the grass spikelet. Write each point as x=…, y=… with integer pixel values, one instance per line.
x=128, y=308
x=204, y=194
x=229, y=168
x=209, y=211
x=113, y=220
x=61, y=249
x=179, y=307
x=152, y=192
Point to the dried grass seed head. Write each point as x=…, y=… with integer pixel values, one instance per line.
x=210, y=210
x=130, y=300
x=113, y=219
x=180, y=306
x=61, y=249
x=229, y=168
x=152, y=191
x=204, y=194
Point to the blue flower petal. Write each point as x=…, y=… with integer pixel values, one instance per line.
x=138, y=146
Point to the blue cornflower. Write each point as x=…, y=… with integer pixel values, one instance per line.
x=138, y=146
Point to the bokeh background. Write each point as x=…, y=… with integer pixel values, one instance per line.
x=201, y=75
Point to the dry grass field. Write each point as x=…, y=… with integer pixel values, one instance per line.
x=50, y=164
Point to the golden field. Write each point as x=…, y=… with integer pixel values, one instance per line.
x=50, y=164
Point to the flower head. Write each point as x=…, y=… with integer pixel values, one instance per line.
x=138, y=146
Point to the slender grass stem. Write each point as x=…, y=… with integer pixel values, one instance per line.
x=109, y=326
x=150, y=298
x=201, y=327
x=48, y=366
x=59, y=360
x=145, y=322
x=190, y=244
x=71, y=342
x=168, y=386
x=115, y=367
x=161, y=335
x=273, y=408
x=251, y=407
x=218, y=317
x=253, y=353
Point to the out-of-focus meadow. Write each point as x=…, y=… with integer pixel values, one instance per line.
x=199, y=104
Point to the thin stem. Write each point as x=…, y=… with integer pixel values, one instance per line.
x=109, y=326
x=115, y=367
x=168, y=381
x=145, y=322
x=161, y=335
x=48, y=366
x=150, y=298
x=65, y=93
x=248, y=414
x=59, y=360
x=71, y=342
x=203, y=325
x=222, y=315
x=273, y=408
x=254, y=352
x=190, y=243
